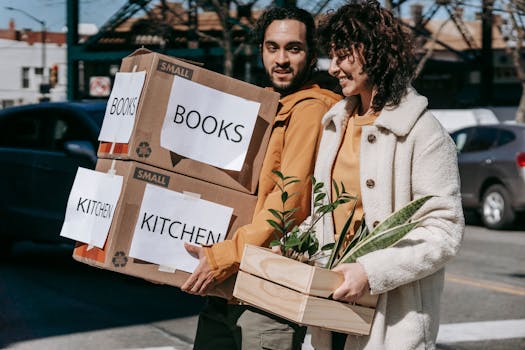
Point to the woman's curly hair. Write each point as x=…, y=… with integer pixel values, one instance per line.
x=387, y=48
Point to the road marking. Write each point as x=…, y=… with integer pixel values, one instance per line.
x=485, y=284
x=480, y=331
x=468, y=331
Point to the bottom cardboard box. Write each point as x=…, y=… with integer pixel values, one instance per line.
x=300, y=293
x=114, y=255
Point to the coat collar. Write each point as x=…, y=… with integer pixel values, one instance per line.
x=399, y=119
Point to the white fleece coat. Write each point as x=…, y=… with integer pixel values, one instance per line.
x=405, y=154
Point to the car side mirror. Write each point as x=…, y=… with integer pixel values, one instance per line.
x=81, y=149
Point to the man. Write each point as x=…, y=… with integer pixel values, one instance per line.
x=286, y=40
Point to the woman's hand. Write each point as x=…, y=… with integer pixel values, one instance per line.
x=277, y=249
x=355, y=283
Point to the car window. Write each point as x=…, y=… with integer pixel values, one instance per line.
x=505, y=137
x=68, y=128
x=461, y=138
x=481, y=139
x=23, y=131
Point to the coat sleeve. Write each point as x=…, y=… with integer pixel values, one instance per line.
x=437, y=239
x=297, y=159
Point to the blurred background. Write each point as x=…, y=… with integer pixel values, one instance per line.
x=470, y=51
x=58, y=61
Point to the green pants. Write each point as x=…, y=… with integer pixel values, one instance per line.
x=224, y=326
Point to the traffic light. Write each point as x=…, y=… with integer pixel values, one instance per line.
x=53, y=76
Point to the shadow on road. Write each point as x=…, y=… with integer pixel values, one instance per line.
x=473, y=218
x=44, y=292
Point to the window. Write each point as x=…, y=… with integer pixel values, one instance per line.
x=482, y=139
x=66, y=128
x=22, y=131
x=462, y=137
x=25, y=77
x=505, y=137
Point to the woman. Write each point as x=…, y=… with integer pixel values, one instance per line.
x=386, y=147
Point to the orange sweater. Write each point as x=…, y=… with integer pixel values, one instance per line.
x=292, y=149
x=346, y=170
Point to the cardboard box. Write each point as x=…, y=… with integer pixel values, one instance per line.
x=144, y=145
x=299, y=292
x=115, y=253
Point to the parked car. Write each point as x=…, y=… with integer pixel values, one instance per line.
x=492, y=170
x=455, y=119
x=41, y=147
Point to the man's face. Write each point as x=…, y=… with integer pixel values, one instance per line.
x=285, y=53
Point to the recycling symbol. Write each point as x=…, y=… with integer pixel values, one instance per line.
x=120, y=259
x=143, y=150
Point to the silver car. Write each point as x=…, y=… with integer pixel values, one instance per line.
x=491, y=162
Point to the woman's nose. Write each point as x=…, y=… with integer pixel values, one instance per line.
x=334, y=67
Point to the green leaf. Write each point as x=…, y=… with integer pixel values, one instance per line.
x=278, y=173
x=275, y=243
x=319, y=197
x=281, y=188
x=400, y=216
x=288, y=224
x=318, y=186
x=292, y=242
x=336, y=188
x=284, y=197
x=360, y=235
x=290, y=211
x=341, y=239
x=382, y=240
x=292, y=182
x=313, y=248
x=277, y=214
x=276, y=226
x=328, y=246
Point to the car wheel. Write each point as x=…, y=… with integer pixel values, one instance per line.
x=496, y=212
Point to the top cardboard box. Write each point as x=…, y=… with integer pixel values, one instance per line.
x=145, y=141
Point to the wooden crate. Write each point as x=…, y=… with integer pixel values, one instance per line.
x=299, y=292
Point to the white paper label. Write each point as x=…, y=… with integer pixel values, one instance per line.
x=119, y=118
x=167, y=219
x=208, y=125
x=90, y=207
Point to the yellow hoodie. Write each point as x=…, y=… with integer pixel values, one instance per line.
x=292, y=149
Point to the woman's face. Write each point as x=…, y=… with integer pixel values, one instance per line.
x=347, y=66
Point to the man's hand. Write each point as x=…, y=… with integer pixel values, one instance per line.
x=355, y=283
x=202, y=278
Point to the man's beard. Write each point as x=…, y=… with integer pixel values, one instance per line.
x=294, y=85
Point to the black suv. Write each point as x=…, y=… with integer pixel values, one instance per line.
x=492, y=170
x=41, y=147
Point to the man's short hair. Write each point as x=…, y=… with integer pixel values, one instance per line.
x=282, y=13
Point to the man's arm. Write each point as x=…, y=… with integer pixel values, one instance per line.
x=297, y=159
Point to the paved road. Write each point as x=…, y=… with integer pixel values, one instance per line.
x=49, y=301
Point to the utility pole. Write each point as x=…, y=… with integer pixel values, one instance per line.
x=487, y=65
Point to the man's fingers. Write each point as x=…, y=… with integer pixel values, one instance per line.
x=189, y=282
x=205, y=286
x=195, y=289
x=193, y=250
